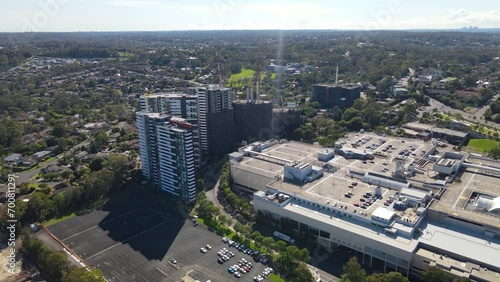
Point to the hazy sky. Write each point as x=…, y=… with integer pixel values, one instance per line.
x=134, y=15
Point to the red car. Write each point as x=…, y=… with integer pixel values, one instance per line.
x=356, y=205
x=354, y=183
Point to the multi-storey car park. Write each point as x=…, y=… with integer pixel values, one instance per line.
x=405, y=204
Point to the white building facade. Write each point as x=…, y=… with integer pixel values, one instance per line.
x=166, y=148
x=178, y=105
x=176, y=156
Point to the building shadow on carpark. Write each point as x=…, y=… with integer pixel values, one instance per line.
x=144, y=223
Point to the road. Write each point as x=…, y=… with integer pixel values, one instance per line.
x=212, y=182
x=435, y=104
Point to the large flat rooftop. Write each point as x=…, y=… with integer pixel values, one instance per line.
x=458, y=199
x=331, y=189
x=290, y=151
x=387, y=151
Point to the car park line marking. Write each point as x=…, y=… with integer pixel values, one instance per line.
x=76, y=234
x=128, y=239
x=162, y=271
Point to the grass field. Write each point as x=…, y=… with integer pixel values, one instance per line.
x=125, y=54
x=56, y=220
x=276, y=278
x=245, y=73
x=469, y=109
x=49, y=159
x=236, y=80
x=482, y=145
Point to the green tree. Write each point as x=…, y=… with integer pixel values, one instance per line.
x=10, y=131
x=200, y=185
x=436, y=274
x=279, y=246
x=302, y=274
x=237, y=227
x=267, y=242
x=100, y=140
x=246, y=230
x=81, y=274
x=255, y=234
x=39, y=207
x=59, y=130
x=387, y=277
x=353, y=272
x=304, y=255
x=57, y=264
x=96, y=164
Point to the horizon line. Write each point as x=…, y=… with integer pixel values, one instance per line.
x=212, y=30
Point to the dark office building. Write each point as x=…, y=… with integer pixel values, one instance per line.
x=330, y=96
x=284, y=122
x=216, y=121
x=252, y=120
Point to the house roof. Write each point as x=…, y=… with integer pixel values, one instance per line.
x=12, y=157
x=42, y=154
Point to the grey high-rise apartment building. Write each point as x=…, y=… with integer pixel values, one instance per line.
x=215, y=115
x=148, y=144
x=167, y=154
x=177, y=105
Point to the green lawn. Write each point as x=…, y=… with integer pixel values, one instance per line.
x=49, y=159
x=31, y=169
x=236, y=80
x=201, y=221
x=482, y=145
x=125, y=54
x=56, y=220
x=276, y=278
x=468, y=109
x=245, y=73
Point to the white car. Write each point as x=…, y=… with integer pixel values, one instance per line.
x=203, y=250
x=225, y=239
x=208, y=247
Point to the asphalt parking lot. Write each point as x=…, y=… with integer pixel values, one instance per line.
x=205, y=265
x=134, y=238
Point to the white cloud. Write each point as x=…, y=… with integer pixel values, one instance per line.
x=476, y=18
x=133, y=3
x=284, y=8
x=450, y=19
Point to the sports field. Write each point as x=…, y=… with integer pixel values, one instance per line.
x=482, y=145
x=245, y=73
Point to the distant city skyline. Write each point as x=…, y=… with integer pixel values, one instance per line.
x=158, y=15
